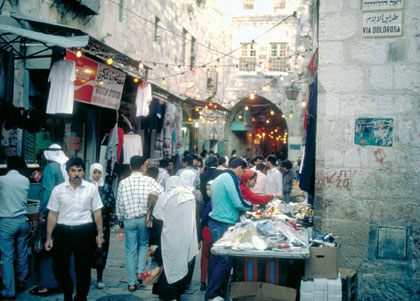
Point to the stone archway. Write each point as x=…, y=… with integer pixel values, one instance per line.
x=256, y=127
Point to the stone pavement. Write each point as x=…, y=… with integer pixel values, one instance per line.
x=116, y=283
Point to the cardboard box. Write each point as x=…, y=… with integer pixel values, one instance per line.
x=305, y=296
x=260, y=291
x=322, y=263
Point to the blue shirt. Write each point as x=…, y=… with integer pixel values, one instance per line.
x=52, y=177
x=14, y=190
x=226, y=199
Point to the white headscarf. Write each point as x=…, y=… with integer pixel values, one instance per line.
x=54, y=153
x=99, y=167
x=188, y=178
x=176, y=208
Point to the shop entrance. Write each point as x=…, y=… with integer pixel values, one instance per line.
x=260, y=126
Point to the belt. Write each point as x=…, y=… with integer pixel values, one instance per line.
x=216, y=221
x=74, y=227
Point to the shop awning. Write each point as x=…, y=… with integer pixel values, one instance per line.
x=12, y=37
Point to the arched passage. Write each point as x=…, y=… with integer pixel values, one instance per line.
x=257, y=127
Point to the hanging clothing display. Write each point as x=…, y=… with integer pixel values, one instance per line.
x=61, y=96
x=178, y=127
x=307, y=178
x=132, y=147
x=168, y=126
x=113, y=148
x=143, y=99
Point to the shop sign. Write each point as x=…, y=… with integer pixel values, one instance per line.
x=374, y=131
x=97, y=84
x=383, y=24
x=382, y=4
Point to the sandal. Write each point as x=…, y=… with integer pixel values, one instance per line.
x=132, y=288
x=35, y=291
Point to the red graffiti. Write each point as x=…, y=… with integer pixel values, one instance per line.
x=379, y=155
x=341, y=180
x=371, y=207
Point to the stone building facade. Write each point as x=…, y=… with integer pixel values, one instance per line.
x=367, y=190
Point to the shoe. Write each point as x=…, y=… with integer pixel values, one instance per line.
x=50, y=291
x=132, y=288
x=139, y=281
x=203, y=286
x=7, y=298
x=218, y=298
x=100, y=285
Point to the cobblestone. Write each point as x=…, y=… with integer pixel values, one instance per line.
x=115, y=280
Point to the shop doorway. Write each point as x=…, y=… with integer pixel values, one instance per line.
x=258, y=127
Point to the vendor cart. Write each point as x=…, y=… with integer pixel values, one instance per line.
x=280, y=267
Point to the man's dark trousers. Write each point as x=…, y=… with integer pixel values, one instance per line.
x=78, y=240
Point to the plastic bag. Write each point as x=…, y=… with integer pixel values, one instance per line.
x=39, y=238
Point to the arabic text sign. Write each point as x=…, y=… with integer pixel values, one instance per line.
x=383, y=24
x=382, y=4
x=96, y=83
x=374, y=131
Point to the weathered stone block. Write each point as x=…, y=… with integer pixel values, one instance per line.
x=331, y=53
x=392, y=243
x=330, y=6
x=333, y=157
x=392, y=184
x=372, y=51
x=337, y=183
x=381, y=77
x=364, y=184
x=414, y=50
x=339, y=27
x=407, y=77
x=412, y=21
x=351, y=256
x=336, y=79
x=332, y=104
x=350, y=231
x=396, y=51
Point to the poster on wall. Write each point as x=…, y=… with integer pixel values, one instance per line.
x=374, y=131
x=96, y=83
x=383, y=24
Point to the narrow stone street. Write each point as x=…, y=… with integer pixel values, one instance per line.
x=115, y=279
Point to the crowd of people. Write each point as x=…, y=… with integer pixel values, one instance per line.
x=172, y=215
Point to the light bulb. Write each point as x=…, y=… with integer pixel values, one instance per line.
x=78, y=53
x=163, y=82
x=109, y=61
x=252, y=96
x=141, y=66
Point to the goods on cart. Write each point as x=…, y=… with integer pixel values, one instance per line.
x=271, y=234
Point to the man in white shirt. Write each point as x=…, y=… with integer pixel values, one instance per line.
x=70, y=206
x=274, y=183
x=163, y=172
x=261, y=183
x=131, y=207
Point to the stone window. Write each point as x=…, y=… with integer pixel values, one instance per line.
x=279, y=4
x=278, y=57
x=184, y=45
x=156, y=37
x=193, y=54
x=248, y=4
x=248, y=59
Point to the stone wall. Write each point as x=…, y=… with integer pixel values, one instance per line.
x=369, y=194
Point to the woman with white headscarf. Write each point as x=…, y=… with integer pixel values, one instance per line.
x=188, y=178
x=53, y=174
x=176, y=209
x=96, y=176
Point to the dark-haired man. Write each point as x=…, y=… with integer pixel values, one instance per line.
x=131, y=207
x=70, y=206
x=274, y=183
x=227, y=204
x=14, y=228
x=163, y=172
x=188, y=164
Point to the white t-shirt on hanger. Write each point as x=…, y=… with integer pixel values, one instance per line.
x=61, y=96
x=143, y=99
x=132, y=147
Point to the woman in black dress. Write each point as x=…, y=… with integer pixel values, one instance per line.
x=108, y=213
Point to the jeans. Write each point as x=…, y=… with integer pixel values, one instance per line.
x=219, y=266
x=136, y=243
x=286, y=197
x=13, y=234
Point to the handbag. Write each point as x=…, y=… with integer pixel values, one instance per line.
x=39, y=238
